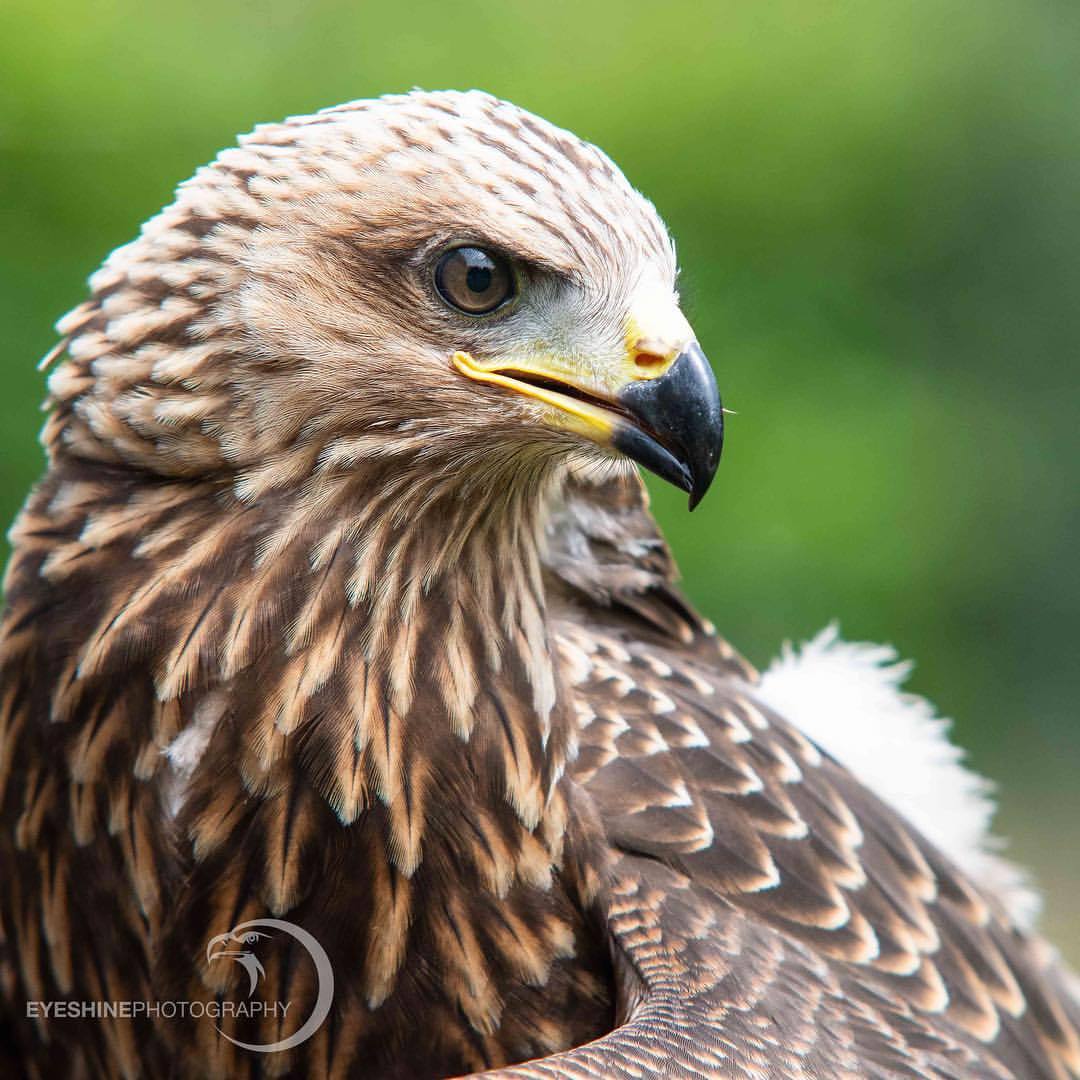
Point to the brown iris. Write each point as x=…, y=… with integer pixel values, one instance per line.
x=474, y=280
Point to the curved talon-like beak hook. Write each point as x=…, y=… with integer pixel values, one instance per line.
x=674, y=424
x=660, y=409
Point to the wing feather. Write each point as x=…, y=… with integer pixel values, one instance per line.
x=758, y=864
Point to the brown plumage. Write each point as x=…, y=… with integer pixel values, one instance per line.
x=338, y=605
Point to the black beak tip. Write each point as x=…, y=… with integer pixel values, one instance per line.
x=682, y=424
x=706, y=466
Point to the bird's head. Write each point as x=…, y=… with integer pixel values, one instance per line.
x=237, y=945
x=436, y=275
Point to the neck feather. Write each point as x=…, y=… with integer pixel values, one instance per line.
x=343, y=692
x=380, y=626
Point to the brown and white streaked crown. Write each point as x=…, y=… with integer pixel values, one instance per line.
x=275, y=303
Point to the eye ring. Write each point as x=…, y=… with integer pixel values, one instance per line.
x=474, y=280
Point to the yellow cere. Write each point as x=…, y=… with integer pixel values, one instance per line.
x=647, y=357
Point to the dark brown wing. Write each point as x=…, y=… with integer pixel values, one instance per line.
x=773, y=917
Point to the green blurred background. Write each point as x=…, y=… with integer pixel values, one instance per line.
x=877, y=207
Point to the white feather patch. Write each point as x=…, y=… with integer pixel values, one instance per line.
x=847, y=697
x=186, y=750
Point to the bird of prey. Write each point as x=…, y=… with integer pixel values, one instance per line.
x=237, y=947
x=340, y=604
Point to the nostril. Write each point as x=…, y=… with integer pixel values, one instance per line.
x=648, y=361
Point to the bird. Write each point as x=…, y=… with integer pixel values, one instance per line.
x=228, y=946
x=340, y=604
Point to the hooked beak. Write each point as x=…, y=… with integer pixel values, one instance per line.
x=666, y=414
x=674, y=424
x=224, y=945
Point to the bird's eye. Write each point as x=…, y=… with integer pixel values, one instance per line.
x=473, y=280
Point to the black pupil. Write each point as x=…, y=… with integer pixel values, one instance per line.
x=478, y=278
x=474, y=280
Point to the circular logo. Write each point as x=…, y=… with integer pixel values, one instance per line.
x=240, y=944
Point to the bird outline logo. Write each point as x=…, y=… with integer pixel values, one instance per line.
x=237, y=945
x=228, y=945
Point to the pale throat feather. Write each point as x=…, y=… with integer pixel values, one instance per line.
x=409, y=605
x=448, y=578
